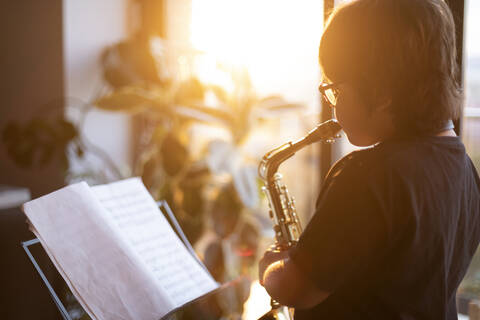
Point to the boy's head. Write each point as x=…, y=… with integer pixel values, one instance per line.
x=397, y=51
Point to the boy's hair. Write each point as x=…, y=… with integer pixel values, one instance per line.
x=398, y=49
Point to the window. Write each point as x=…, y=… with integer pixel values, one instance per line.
x=471, y=120
x=277, y=42
x=470, y=286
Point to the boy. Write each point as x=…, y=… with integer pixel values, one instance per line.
x=397, y=224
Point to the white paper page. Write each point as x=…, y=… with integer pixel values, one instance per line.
x=98, y=265
x=63, y=274
x=138, y=217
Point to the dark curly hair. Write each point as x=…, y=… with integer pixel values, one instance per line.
x=401, y=49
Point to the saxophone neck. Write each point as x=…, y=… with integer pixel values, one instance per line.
x=273, y=159
x=326, y=131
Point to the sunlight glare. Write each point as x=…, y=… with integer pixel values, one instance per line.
x=276, y=40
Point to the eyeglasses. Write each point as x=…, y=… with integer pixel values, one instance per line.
x=329, y=92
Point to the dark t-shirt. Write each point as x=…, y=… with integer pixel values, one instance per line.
x=394, y=231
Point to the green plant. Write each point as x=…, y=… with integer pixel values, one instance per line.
x=169, y=108
x=219, y=178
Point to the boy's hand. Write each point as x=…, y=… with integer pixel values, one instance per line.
x=270, y=256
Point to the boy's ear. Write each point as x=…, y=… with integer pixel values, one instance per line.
x=384, y=104
x=382, y=99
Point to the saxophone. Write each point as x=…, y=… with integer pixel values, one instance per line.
x=282, y=211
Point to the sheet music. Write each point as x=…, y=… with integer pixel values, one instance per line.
x=96, y=262
x=137, y=216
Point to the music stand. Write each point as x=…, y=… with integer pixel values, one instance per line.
x=164, y=208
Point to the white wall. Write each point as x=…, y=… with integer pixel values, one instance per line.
x=90, y=26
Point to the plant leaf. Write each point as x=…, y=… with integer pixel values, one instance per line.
x=222, y=157
x=226, y=211
x=219, y=92
x=275, y=102
x=189, y=90
x=174, y=155
x=203, y=113
x=131, y=100
x=245, y=181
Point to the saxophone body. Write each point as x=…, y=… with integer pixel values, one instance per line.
x=282, y=209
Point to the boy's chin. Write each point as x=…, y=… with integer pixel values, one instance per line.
x=361, y=141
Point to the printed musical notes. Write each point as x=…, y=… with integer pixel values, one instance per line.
x=136, y=214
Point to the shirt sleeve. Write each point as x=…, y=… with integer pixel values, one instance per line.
x=347, y=234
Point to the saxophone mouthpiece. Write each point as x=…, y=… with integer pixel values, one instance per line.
x=327, y=131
